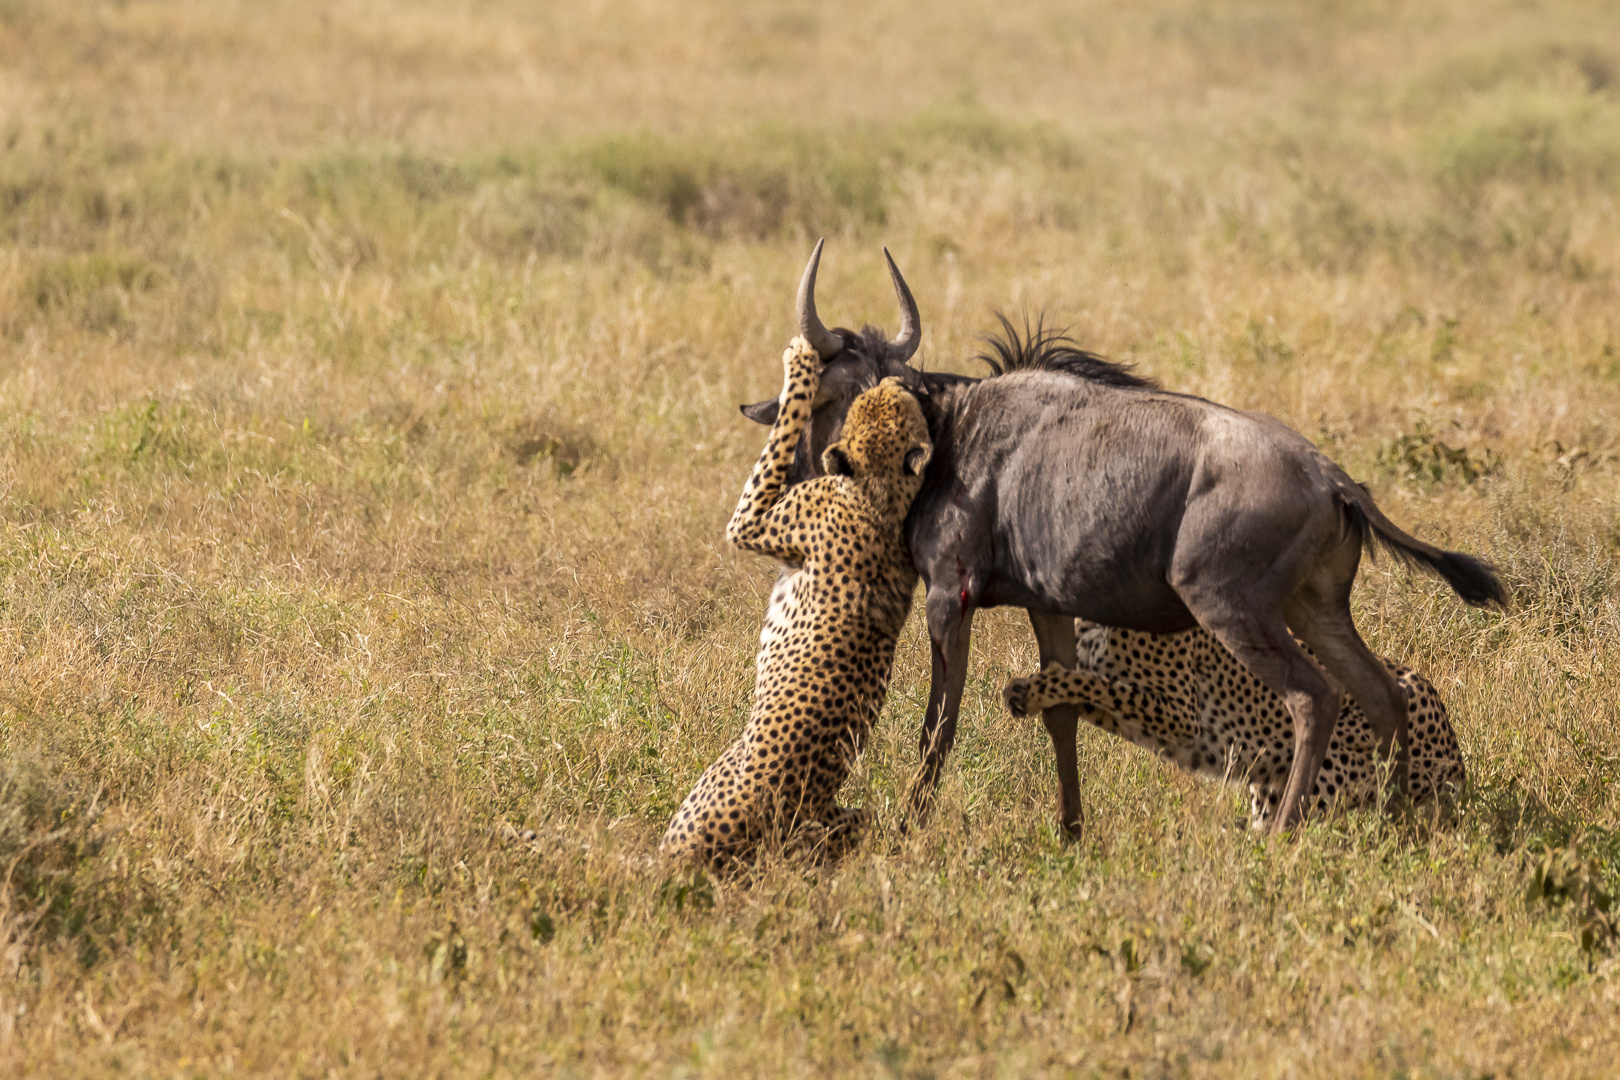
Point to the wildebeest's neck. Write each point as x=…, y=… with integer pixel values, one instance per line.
x=941, y=396
x=968, y=416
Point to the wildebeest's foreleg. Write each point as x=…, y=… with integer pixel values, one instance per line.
x=950, y=626
x=1054, y=635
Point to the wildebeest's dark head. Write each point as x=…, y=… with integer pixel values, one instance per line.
x=856, y=361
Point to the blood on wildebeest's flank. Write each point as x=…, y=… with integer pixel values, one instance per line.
x=1071, y=487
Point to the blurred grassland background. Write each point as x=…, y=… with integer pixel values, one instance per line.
x=368, y=385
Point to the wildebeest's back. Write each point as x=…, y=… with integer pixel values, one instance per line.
x=1038, y=459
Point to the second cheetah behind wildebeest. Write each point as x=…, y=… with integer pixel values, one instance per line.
x=828, y=642
x=1188, y=699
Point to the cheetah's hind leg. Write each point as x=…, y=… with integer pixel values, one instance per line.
x=834, y=836
x=845, y=827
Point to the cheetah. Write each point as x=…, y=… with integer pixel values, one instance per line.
x=828, y=641
x=1186, y=698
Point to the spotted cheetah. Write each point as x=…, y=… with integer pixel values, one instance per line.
x=1186, y=698
x=828, y=641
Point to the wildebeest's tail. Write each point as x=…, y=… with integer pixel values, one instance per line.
x=1473, y=578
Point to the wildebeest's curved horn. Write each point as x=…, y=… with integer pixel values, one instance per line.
x=910, y=335
x=827, y=343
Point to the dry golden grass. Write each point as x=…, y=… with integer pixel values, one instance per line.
x=368, y=377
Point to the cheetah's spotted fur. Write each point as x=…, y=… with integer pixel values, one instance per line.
x=828, y=641
x=1186, y=698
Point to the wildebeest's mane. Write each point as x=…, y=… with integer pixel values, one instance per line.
x=1034, y=348
x=1040, y=348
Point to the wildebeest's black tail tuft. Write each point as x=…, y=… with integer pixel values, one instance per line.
x=1472, y=578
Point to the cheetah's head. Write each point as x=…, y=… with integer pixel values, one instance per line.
x=884, y=446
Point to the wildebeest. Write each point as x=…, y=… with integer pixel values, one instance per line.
x=1068, y=486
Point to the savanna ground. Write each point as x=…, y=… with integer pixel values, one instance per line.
x=368, y=385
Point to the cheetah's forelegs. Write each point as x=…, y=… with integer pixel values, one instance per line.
x=1053, y=685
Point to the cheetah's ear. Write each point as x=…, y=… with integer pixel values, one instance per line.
x=835, y=462
x=917, y=459
x=761, y=412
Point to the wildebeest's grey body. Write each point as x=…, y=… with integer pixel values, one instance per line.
x=1071, y=488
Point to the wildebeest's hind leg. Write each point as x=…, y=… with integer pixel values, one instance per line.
x=1319, y=613
x=1266, y=648
x=1054, y=634
x=950, y=627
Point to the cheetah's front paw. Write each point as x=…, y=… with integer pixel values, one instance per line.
x=801, y=362
x=1019, y=696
